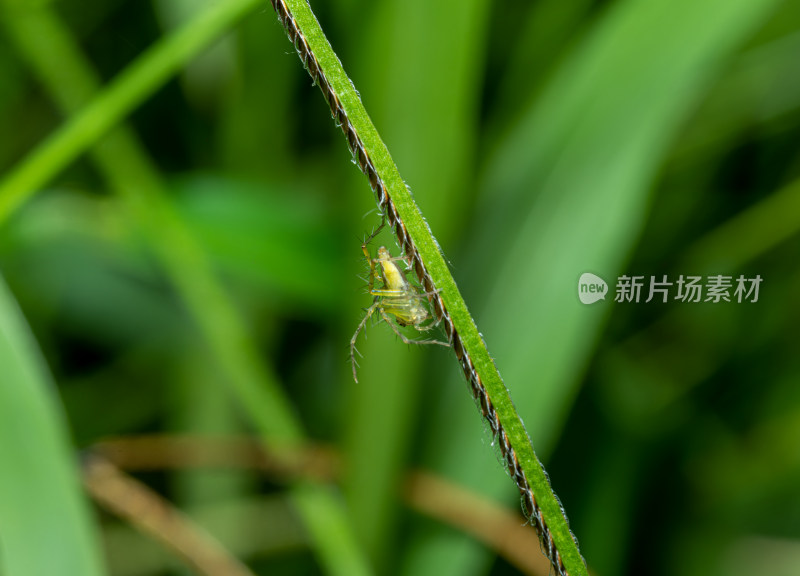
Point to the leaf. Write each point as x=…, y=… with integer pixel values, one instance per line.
x=45, y=524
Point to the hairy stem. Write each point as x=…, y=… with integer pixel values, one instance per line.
x=394, y=200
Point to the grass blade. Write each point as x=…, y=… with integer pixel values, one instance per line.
x=42, y=505
x=132, y=175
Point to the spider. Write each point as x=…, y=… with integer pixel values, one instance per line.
x=397, y=298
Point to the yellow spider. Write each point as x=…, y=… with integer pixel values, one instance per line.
x=395, y=298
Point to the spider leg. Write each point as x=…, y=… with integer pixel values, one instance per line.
x=376, y=231
x=361, y=326
x=403, y=336
x=419, y=298
x=433, y=322
x=373, y=273
x=431, y=327
x=371, y=237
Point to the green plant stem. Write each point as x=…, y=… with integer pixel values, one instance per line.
x=131, y=173
x=487, y=385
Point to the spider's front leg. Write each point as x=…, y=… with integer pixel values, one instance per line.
x=373, y=272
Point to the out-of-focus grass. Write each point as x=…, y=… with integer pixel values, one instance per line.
x=541, y=142
x=131, y=175
x=41, y=503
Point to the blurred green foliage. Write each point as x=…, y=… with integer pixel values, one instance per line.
x=541, y=140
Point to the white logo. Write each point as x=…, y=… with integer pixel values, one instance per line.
x=591, y=288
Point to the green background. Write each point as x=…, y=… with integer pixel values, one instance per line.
x=205, y=256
